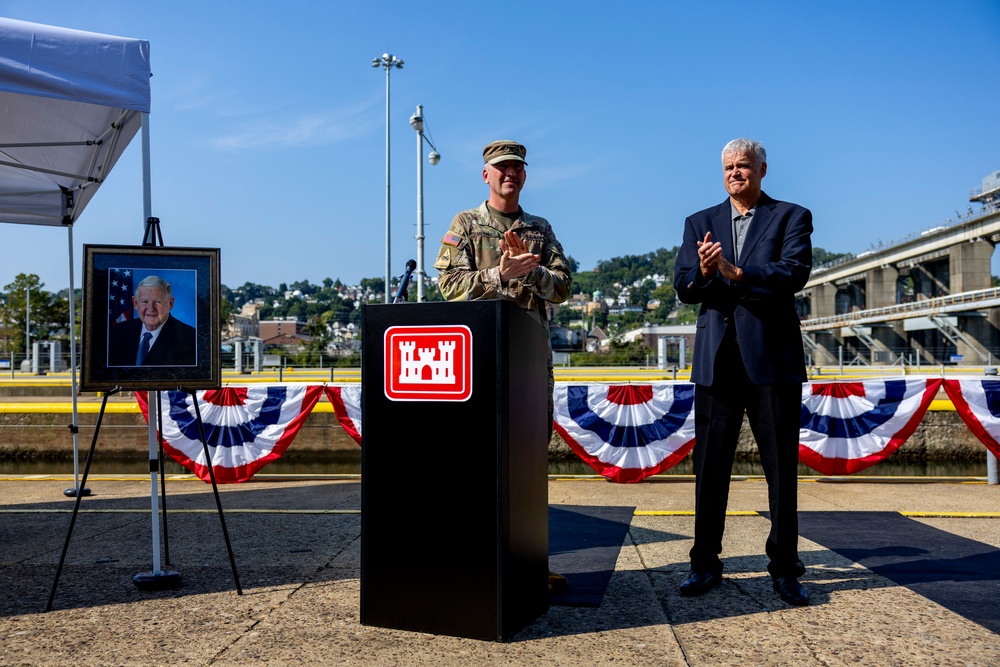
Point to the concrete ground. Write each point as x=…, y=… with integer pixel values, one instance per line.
x=296, y=543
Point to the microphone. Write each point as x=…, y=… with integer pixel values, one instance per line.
x=404, y=282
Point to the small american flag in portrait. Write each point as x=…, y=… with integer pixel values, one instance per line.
x=119, y=295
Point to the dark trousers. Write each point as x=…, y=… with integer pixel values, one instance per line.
x=774, y=412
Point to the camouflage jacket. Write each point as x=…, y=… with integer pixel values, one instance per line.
x=469, y=263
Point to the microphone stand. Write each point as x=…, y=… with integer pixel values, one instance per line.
x=404, y=282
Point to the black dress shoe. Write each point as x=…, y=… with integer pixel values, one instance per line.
x=791, y=591
x=558, y=584
x=699, y=583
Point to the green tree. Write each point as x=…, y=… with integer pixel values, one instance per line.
x=668, y=301
x=49, y=313
x=225, y=310
x=376, y=285
x=821, y=256
x=319, y=337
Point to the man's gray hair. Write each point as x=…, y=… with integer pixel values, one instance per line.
x=154, y=281
x=752, y=148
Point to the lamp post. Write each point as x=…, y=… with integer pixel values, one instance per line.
x=27, y=325
x=417, y=122
x=387, y=62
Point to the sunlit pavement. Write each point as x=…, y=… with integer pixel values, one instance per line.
x=296, y=543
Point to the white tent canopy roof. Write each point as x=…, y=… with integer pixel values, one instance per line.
x=70, y=102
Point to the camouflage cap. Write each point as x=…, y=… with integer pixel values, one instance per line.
x=501, y=151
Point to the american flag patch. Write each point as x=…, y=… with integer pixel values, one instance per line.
x=451, y=239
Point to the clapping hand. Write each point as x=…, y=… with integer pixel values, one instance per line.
x=516, y=261
x=711, y=260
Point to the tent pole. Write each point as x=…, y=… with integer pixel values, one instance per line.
x=153, y=398
x=75, y=426
x=147, y=211
x=147, y=187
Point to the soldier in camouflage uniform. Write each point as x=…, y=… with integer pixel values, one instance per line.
x=497, y=251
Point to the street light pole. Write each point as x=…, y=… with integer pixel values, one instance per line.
x=387, y=62
x=417, y=122
x=27, y=325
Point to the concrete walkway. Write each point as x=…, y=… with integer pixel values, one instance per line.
x=296, y=543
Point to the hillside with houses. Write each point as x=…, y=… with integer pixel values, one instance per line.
x=615, y=313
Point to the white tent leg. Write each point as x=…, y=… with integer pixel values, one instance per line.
x=147, y=211
x=74, y=427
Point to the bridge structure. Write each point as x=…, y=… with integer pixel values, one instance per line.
x=928, y=298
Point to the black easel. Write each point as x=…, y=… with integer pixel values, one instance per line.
x=163, y=579
x=79, y=497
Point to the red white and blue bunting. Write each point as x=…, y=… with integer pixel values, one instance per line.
x=626, y=432
x=978, y=403
x=245, y=427
x=346, y=400
x=849, y=426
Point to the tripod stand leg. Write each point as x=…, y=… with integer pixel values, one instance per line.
x=79, y=497
x=215, y=490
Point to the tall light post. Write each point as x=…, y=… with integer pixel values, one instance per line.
x=387, y=62
x=27, y=325
x=417, y=122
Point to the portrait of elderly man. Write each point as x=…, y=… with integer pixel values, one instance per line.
x=154, y=338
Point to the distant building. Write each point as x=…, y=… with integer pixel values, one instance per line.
x=564, y=338
x=290, y=341
x=596, y=306
x=289, y=326
x=597, y=340
x=648, y=336
x=245, y=324
x=621, y=310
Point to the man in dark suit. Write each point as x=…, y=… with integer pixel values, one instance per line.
x=155, y=338
x=743, y=261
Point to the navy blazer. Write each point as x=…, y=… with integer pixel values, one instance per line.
x=776, y=260
x=175, y=346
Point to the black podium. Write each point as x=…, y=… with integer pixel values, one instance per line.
x=454, y=498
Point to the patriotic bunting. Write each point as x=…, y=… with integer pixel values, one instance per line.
x=346, y=402
x=849, y=426
x=245, y=427
x=624, y=432
x=627, y=432
x=978, y=403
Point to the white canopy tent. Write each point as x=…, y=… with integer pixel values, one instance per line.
x=70, y=103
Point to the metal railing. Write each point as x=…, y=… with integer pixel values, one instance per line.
x=975, y=299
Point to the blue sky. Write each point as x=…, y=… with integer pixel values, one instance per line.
x=268, y=122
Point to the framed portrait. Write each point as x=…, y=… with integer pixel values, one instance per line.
x=150, y=318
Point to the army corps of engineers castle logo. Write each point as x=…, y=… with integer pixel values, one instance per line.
x=428, y=363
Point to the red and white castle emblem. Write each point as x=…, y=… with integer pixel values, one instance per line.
x=430, y=363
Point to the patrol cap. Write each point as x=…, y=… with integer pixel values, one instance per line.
x=501, y=151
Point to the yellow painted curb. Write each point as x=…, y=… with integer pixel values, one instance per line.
x=952, y=515
x=173, y=511
x=690, y=513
